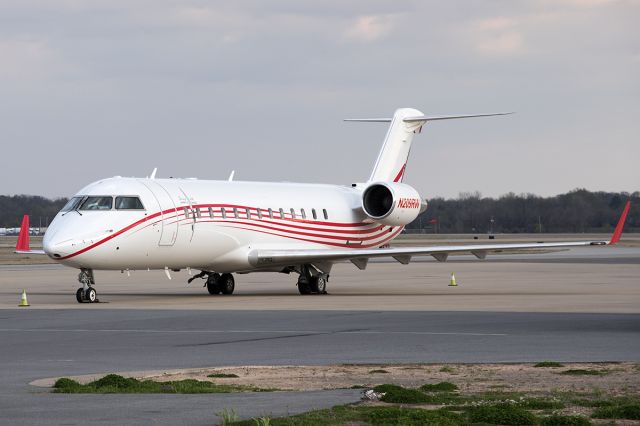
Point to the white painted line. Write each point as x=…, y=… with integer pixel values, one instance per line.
x=113, y=330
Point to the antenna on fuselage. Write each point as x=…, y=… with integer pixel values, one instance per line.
x=233, y=172
x=153, y=173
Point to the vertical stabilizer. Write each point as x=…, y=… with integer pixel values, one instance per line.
x=392, y=160
x=391, y=164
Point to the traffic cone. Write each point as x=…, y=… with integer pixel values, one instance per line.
x=23, y=299
x=452, y=283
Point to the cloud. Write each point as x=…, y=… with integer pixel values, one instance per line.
x=22, y=59
x=498, y=36
x=370, y=28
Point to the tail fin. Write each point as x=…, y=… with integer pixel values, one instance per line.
x=406, y=122
x=23, y=237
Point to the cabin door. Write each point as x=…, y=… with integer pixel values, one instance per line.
x=169, y=213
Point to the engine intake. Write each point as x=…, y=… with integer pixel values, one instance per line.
x=392, y=204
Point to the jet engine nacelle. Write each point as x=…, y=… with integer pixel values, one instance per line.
x=391, y=203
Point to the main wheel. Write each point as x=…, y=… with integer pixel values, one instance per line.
x=213, y=284
x=90, y=295
x=227, y=284
x=304, y=287
x=319, y=284
x=80, y=295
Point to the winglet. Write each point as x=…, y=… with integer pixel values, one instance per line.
x=617, y=233
x=23, y=237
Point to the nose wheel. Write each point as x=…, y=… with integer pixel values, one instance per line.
x=86, y=293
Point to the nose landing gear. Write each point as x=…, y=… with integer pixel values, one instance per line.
x=86, y=293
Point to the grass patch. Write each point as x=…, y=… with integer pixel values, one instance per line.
x=113, y=383
x=222, y=375
x=627, y=411
x=557, y=420
x=502, y=414
x=592, y=403
x=541, y=404
x=399, y=395
x=439, y=387
x=583, y=372
x=376, y=416
x=447, y=369
x=378, y=372
x=548, y=364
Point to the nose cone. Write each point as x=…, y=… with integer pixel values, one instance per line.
x=55, y=244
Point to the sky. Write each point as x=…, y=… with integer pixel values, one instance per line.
x=92, y=89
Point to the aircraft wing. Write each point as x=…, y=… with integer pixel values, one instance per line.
x=22, y=245
x=29, y=252
x=360, y=257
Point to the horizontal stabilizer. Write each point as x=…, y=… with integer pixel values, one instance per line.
x=424, y=118
x=450, y=117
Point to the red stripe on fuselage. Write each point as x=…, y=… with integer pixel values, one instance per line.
x=179, y=211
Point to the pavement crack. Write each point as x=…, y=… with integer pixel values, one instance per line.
x=256, y=339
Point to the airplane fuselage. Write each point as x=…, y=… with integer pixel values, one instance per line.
x=208, y=225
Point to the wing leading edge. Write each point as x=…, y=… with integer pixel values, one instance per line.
x=359, y=257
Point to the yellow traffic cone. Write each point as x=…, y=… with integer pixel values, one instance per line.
x=23, y=299
x=452, y=283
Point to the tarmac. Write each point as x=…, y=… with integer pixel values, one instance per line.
x=577, y=305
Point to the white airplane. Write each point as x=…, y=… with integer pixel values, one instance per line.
x=225, y=227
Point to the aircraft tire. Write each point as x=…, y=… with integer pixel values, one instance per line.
x=90, y=295
x=80, y=295
x=304, y=287
x=213, y=284
x=227, y=284
x=319, y=284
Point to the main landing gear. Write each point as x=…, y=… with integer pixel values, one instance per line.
x=216, y=283
x=86, y=293
x=312, y=281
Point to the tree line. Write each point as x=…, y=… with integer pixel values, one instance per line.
x=40, y=209
x=576, y=211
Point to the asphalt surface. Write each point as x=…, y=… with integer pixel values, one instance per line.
x=576, y=305
x=47, y=343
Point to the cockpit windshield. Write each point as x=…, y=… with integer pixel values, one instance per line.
x=129, y=203
x=101, y=202
x=72, y=204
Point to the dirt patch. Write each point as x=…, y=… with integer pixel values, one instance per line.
x=616, y=379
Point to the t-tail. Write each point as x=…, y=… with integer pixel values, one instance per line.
x=391, y=164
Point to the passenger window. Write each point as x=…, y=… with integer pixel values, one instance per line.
x=324, y=212
x=97, y=203
x=313, y=213
x=270, y=214
x=259, y=213
x=304, y=215
x=224, y=213
x=281, y=214
x=235, y=212
x=129, y=203
x=293, y=214
x=210, y=212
